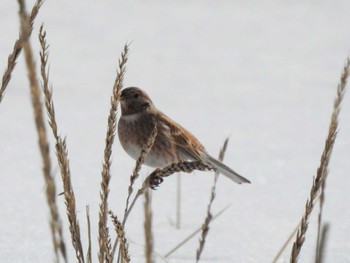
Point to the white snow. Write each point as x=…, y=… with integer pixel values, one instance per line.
x=263, y=72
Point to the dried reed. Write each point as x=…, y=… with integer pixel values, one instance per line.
x=61, y=152
x=124, y=246
x=107, y=158
x=55, y=221
x=25, y=33
x=135, y=174
x=319, y=220
x=194, y=234
x=322, y=243
x=88, y=254
x=147, y=205
x=322, y=170
x=145, y=149
x=209, y=217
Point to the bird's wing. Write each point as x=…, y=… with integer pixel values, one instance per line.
x=182, y=139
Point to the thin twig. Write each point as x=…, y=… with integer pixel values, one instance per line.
x=322, y=170
x=107, y=158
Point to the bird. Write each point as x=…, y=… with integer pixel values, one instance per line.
x=173, y=143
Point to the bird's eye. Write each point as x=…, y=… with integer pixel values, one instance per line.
x=136, y=96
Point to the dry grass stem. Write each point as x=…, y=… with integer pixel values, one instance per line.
x=158, y=175
x=108, y=249
x=55, y=221
x=322, y=244
x=88, y=254
x=193, y=234
x=145, y=149
x=26, y=31
x=289, y=239
x=107, y=158
x=61, y=152
x=208, y=218
x=124, y=246
x=178, y=201
x=322, y=170
x=319, y=220
x=148, y=227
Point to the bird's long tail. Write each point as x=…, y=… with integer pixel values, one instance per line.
x=223, y=169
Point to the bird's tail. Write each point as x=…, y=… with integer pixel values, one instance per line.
x=223, y=169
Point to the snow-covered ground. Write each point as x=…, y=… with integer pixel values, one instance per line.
x=263, y=72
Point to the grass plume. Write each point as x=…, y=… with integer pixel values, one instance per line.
x=107, y=158
x=50, y=189
x=25, y=32
x=209, y=216
x=124, y=246
x=61, y=152
x=322, y=170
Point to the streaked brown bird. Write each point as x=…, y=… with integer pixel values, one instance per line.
x=173, y=143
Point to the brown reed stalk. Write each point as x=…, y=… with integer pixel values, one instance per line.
x=88, y=254
x=209, y=217
x=25, y=33
x=107, y=158
x=322, y=170
x=156, y=177
x=108, y=249
x=289, y=239
x=147, y=206
x=55, y=221
x=319, y=221
x=193, y=234
x=322, y=243
x=124, y=246
x=61, y=152
x=135, y=174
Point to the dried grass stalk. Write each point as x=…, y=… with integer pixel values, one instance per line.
x=55, y=221
x=145, y=150
x=88, y=254
x=148, y=227
x=107, y=158
x=25, y=33
x=322, y=170
x=322, y=243
x=193, y=234
x=156, y=177
x=124, y=246
x=61, y=152
x=209, y=217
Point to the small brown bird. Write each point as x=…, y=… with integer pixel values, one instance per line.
x=173, y=143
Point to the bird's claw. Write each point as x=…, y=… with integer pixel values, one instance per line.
x=155, y=180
